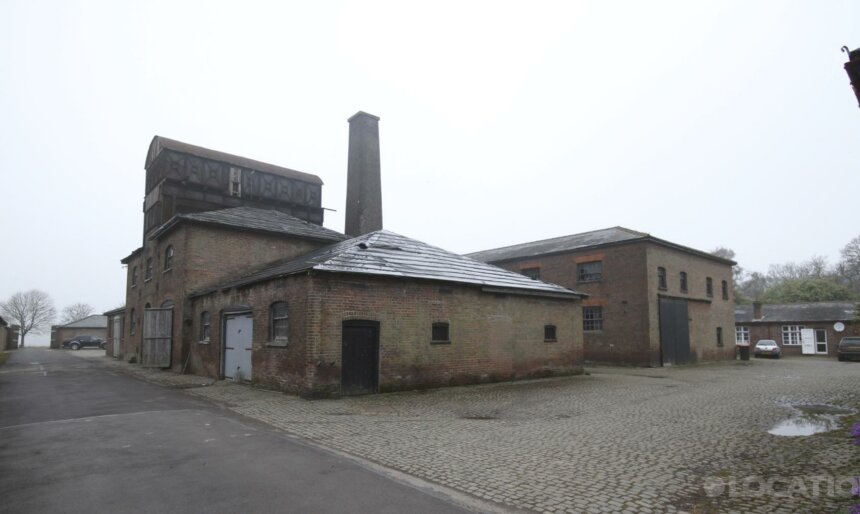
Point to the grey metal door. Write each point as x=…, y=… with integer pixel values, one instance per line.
x=238, y=338
x=157, y=337
x=359, y=357
x=674, y=331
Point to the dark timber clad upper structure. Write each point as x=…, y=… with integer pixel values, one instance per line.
x=183, y=178
x=364, y=187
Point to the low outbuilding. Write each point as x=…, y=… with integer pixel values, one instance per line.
x=798, y=328
x=95, y=325
x=383, y=312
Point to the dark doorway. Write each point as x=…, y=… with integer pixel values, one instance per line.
x=360, y=357
x=674, y=331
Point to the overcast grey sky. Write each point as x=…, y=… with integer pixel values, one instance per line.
x=704, y=123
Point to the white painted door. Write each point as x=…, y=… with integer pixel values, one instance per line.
x=237, y=346
x=807, y=341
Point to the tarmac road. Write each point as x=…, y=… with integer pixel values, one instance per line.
x=78, y=438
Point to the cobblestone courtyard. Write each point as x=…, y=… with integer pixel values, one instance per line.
x=691, y=439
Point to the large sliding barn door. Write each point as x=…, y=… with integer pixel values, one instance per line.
x=157, y=337
x=674, y=331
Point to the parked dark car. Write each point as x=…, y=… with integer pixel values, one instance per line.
x=848, y=349
x=767, y=347
x=76, y=343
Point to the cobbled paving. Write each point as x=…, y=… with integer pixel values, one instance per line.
x=684, y=439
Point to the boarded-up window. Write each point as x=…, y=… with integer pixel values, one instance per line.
x=280, y=328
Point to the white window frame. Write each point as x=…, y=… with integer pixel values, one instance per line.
x=742, y=335
x=791, y=335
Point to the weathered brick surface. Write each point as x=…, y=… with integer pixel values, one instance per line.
x=629, y=297
x=706, y=312
x=493, y=337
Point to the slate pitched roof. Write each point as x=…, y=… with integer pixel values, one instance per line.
x=160, y=143
x=797, y=312
x=385, y=253
x=258, y=220
x=94, y=321
x=596, y=238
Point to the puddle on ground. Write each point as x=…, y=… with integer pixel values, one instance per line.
x=810, y=419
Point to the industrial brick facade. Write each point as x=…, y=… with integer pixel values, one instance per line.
x=202, y=255
x=493, y=337
x=628, y=296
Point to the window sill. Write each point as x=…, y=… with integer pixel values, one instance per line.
x=202, y=342
x=277, y=344
x=147, y=280
x=589, y=281
x=165, y=271
x=550, y=340
x=597, y=331
x=440, y=342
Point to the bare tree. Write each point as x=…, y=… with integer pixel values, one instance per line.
x=32, y=310
x=849, y=267
x=75, y=312
x=738, y=272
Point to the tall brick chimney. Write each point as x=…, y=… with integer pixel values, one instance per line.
x=363, y=183
x=757, y=314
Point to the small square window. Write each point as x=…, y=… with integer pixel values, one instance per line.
x=441, y=333
x=549, y=333
x=532, y=273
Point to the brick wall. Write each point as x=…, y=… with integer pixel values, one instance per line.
x=203, y=256
x=621, y=293
x=773, y=331
x=493, y=337
x=628, y=296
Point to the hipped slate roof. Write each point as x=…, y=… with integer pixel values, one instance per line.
x=94, y=321
x=597, y=238
x=258, y=220
x=384, y=253
x=160, y=143
x=797, y=312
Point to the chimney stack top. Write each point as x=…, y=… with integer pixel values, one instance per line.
x=362, y=114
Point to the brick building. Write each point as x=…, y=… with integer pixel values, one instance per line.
x=238, y=278
x=95, y=325
x=115, y=333
x=798, y=328
x=4, y=336
x=651, y=302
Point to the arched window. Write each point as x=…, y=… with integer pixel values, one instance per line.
x=661, y=278
x=204, y=326
x=280, y=322
x=166, y=304
x=168, y=258
x=147, y=274
x=683, y=281
x=131, y=322
x=134, y=276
